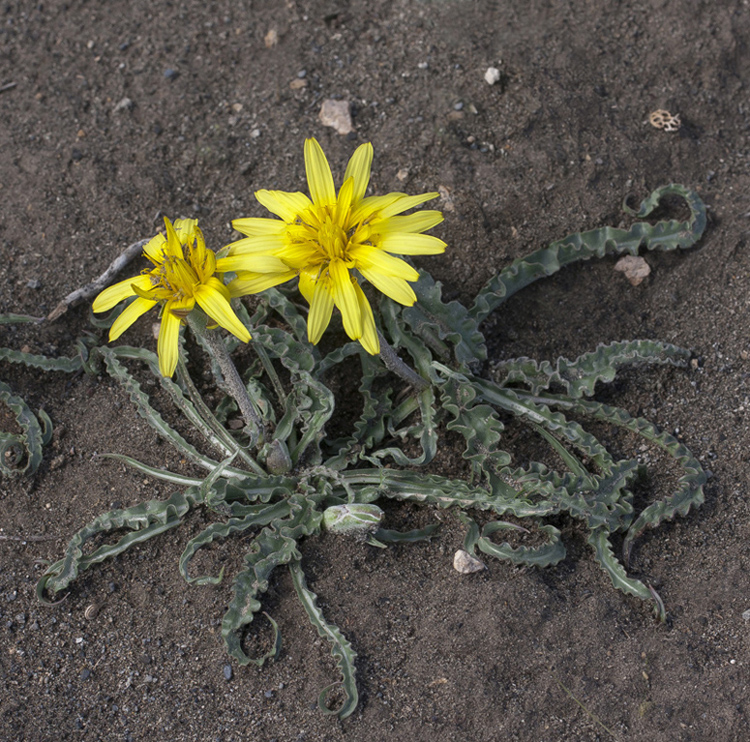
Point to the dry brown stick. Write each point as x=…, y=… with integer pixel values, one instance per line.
x=8, y=86
x=86, y=292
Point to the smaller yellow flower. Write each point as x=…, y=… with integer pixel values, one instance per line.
x=184, y=274
x=330, y=240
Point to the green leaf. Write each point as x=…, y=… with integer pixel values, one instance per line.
x=665, y=235
x=341, y=649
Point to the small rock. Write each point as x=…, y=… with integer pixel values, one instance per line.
x=228, y=672
x=171, y=74
x=76, y=154
x=33, y=284
x=635, y=268
x=298, y=83
x=124, y=105
x=465, y=563
x=271, y=38
x=402, y=174
x=492, y=75
x=85, y=674
x=335, y=113
x=746, y=615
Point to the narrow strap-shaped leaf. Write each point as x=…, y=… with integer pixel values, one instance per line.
x=276, y=544
x=533, y=556
x=67, y=365
x=146, y=520
x=141, y=401
x=19, y=319
x=665, y=235
x=579, y=377
x=14, y=448
x=261, y=515
x=435, y=321
x=406, y=537
x=341, y=649
x=608, y=562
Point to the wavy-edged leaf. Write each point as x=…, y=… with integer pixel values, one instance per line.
x=579, y=377
x=146, y=520
x=276, y=544
x=435, y=321
x=544, y=555
x=665, y=235
x=341, y=649
x=608, y=562
x=28, y=445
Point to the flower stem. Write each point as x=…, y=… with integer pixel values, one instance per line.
x=232, y=383
x=394, y=363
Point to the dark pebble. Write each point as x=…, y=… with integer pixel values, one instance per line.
x=76, y=154
x=86, y=674
x=33, y=284
x=227, y=672
x=171, y=74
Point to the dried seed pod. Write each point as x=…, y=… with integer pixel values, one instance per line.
x=465, y=563
x=91, y=611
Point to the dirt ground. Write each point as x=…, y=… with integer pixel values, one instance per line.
x=120, y=112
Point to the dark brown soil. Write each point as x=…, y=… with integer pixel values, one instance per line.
x=121, y=111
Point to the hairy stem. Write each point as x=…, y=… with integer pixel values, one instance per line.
x=397, y=366
x=232, y=382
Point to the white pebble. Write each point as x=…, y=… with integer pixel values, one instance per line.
x=492, y=75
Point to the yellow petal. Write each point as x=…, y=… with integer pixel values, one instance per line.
x=372, y=206
x=319, y=177
x=396, y=288
x=345, y=298
x=343, y=202
x=369, y=339
x=173, y=246
x=253, y=283
x=267, y=243
x=253, y=263
x=129, y=315
x=307, y=281
x=119, y=291
x=419, y=221
x=406, y=202
x=169, y=343
x=216, y=306
x=371, y=258
x=254, y=226
x=321, y=308
x=155, y=248
x=187, y=231
x=406, y=243
x=284, y=204
x=359, y=169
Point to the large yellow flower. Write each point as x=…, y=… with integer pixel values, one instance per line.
x=326, y=241
x=184, y=274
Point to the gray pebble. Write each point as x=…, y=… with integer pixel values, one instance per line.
x=227, y=672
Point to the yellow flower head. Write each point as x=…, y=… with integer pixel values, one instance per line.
x=325, y=239
x=184, y=272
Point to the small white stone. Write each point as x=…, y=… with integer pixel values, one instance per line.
x=465, y=563
x=335, y=113
x=492, y=75
x=635, y=268
x=746, y=615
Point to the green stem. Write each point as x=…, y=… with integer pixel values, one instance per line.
x=397, y=366
x=232, y=382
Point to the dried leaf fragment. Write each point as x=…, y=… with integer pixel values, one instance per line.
x=662, y=119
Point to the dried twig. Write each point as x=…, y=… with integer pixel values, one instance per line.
x=86, y=292
x=8, y=86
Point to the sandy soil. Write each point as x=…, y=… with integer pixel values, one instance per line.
x=121, y=112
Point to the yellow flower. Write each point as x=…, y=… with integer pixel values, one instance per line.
x=325, y=239
x=184, y=273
